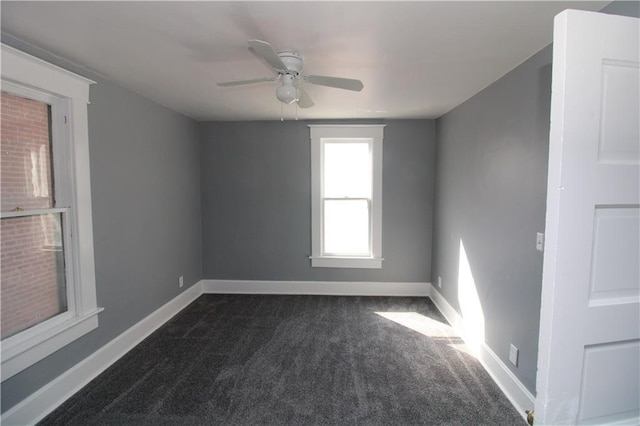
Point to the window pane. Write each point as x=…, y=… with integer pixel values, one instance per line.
x=26, y=179
x=32, y=271
x=347, y=170
x=346, y=227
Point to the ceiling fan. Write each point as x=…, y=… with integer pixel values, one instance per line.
x=288, y=66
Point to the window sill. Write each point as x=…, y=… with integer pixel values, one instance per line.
x=26, y=348
x=347, y=262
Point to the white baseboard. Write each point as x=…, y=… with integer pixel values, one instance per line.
x=329, y=288
x=49, y=397
x=514, y=390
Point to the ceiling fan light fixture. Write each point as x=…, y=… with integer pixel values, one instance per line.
x=287, y=93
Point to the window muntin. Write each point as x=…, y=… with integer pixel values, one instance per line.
x=346, y=196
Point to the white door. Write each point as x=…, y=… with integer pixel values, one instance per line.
x=589, y=350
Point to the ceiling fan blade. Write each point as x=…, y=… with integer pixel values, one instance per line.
x=243, y=82
x=304, y=101
x=266, y=51
x=340, y=83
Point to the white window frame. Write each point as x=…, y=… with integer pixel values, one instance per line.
x=68, y=94
x=319, y=133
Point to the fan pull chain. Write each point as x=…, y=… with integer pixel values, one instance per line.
x=296, y=110
x=281, y=112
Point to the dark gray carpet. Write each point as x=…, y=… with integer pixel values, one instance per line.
x=243, y=360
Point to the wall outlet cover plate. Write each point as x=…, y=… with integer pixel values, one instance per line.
x=513, y=355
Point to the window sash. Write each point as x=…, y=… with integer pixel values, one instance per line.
x=364, y=253
x=333, y=181
x=61, y=149
x=67, y=242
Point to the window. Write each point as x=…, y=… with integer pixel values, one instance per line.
x=47, y=274
x=346, y=206
x=32, y=268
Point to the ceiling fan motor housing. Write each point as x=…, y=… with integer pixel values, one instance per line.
x=292, y=61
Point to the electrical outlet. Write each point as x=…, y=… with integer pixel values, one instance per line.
x=540, y=241
x=439, y=281
x=513, y=355
x=181, y=281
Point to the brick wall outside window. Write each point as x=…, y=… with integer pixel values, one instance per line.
x=32, y=261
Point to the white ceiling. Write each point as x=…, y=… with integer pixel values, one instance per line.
x=416, y=59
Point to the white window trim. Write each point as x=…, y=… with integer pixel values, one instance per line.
x=31, y=76
x=369, y=131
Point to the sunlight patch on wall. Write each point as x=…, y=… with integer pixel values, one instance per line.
x=472, y=314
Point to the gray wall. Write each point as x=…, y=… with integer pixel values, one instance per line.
x=491, y=174
x=145, y=183
x=623, y=8
x=491, y=179
x=256, y=195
